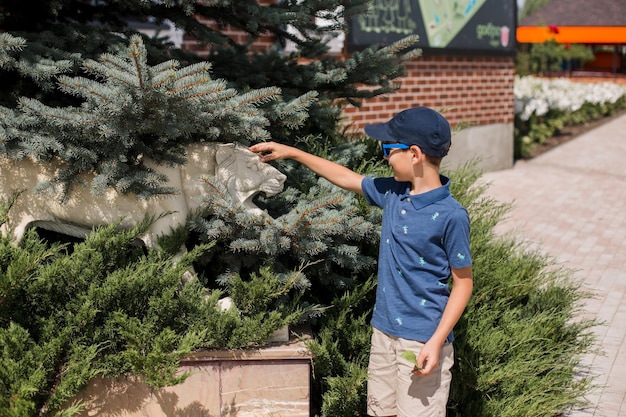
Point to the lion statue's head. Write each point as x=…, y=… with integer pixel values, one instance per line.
x=244, y=175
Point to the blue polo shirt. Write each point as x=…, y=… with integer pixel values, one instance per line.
x=423, y=236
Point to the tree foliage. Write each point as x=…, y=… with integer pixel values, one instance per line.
x=531, y=6
x=552, y=57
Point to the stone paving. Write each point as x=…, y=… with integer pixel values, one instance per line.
x=571, y=203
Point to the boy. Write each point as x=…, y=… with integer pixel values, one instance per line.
x=424, y=241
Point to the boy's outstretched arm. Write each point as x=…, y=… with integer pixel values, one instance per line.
x=337, y=174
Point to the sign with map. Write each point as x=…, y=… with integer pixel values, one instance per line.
x=467, y=25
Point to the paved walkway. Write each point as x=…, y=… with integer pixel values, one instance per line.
x=571, y=201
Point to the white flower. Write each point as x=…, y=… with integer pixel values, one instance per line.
x=534, y=95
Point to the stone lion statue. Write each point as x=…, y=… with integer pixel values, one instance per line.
x=240, y=172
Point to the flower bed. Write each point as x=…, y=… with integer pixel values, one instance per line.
x=544, y=106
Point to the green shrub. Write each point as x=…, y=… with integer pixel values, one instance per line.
x=538, y=129
x=519, y=344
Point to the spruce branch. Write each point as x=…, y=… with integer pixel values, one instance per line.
x=86, y=88
x=58, y=117
x=10, y=43
x=216, y=93
x=300, y=221
x=138, y=55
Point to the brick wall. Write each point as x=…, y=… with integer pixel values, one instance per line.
x=260, y=44
x=477, y=90
x=263, y=43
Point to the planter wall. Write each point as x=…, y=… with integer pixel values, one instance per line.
x=273, y=381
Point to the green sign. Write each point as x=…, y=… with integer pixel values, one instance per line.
x=469, y=25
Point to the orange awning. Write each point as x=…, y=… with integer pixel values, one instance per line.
x=572, y=34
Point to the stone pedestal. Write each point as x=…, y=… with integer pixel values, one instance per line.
x=272, y=381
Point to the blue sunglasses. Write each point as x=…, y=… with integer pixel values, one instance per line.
x=387, y=147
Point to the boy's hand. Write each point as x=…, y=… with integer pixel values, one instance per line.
x=272, y=151
x=428, y=358
x=333, y=172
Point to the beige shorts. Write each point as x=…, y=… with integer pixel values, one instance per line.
x=392, y=389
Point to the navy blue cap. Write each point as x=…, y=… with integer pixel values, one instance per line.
x=419, y=126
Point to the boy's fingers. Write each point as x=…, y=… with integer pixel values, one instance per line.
x=256, y=148
x=264, y=151
x=426, y=369
x=422, y=371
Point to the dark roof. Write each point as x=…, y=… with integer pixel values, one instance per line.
x=579, y=13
